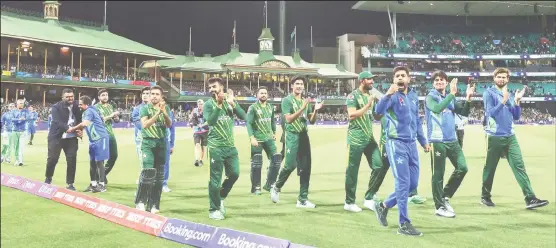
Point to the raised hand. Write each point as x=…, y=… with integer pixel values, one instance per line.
x=470, y=91
x=505, y=94
x=454, y=86
x=230, y=97
x=219, y=98
x=319, y=105
x=393, y=89
x=519, y=93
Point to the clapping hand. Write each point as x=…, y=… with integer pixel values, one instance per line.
x=454, y=86
x=319, y=105
x=230, y=97
x=519, y=94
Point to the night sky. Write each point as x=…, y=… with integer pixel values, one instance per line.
x=165, y=25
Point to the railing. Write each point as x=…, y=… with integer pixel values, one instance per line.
x=41, y=15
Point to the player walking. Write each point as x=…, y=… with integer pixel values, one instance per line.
x=501, y=110
x=19, y=117
x=7, y=128
x=154, y=120
x=219, y=112
x=261, y=128
x=32, y=123
x=200, y=131
x=441, y=110
x=109, y=116
x=400, y=106
x=297, y=112
x=99, y=140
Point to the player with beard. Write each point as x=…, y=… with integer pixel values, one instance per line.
x=32, y=123
x=360, y=141
x=99, y=141
x=200, y=131
x=136, y=120
x=297, y=112
x=400, y=107
x=261, y=128
x=155, y=119
x=110, y=117
x=441, y=109
x=501, y=110
x=219, y=113
x=7, y=128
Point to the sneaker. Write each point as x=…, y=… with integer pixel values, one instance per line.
x=352, y=208
x=305, y=204
x=166, y=189
x=266, y=188
x=256, y=191
x=409, y=230
x=89, y=189
x=197, y=164
x=370, y=204
x=30, y=143
x=99, y=188
x=216, y=215
x=48, y=180
x=201, y=163
x=140, y=206
x=222, y=208
x=447, y=205
x=444, y=212
x=534, y=202
x=275, y=194
x=487, y=202
x=70, y=187
x=381, y=213
x=154, y=210
x=416, y=199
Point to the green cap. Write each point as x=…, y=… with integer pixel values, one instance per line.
x=365, y=74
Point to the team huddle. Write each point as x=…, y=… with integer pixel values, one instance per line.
x=213, y=125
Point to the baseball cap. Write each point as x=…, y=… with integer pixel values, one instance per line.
x=365, y=74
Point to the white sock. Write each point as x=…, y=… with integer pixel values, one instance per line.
x=102, y=183
x=94, y=183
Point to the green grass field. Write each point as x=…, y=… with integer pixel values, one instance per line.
x=30, y=221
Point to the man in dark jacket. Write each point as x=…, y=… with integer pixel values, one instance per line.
x=65, y=114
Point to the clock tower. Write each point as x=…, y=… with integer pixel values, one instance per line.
x=266, y=41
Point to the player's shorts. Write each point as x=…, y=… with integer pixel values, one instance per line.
x=200, y=138
x=32, y=130
x=99, y=150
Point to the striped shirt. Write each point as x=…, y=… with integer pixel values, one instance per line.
x=360, y=129
x=156, y=130
x=106, y=110
x=260, y=121
x=290, y=105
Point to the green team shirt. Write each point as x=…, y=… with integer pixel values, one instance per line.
x=221, y=122
x=158, y=129
x=360, y=130
x=106, y=110
x=291, y=105
x=382, y=133
x=260, y=121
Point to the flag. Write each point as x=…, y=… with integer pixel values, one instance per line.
x=265, y=15
x=294, y=33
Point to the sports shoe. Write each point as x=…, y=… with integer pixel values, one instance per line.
x=444, y=212
x=370, y=204
x=416, y=199
x=256, y=190
x=534, y=202
x=305, y=204
x=381, y=213
x=222, y=208
x=154, y=210
x=201, y=163
x=140, y=206
x=447, y=205
x=89, y=189
x=352, y=208
x=487, y=202
x=216, y=215
x=275, y=194
x=409, y=230
x=48, y=180
x=99, y=188
x=70, y=187
x=166, y=189
x=197, y=164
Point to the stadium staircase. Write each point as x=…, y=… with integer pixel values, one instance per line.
x=172, y=90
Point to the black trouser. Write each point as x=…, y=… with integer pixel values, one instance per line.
x=459, y=134
x=55, y=146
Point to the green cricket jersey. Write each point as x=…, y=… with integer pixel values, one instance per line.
x=221, y=122
x=260, y=121
x=106, y=110
x=291, y=105
x=158, y=129
x=360, y=130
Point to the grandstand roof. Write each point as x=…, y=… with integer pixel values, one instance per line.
x=32, y=27
x=455, y=8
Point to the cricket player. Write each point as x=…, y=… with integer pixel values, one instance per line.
x=400, y=106
x=136, y=120
x=99, y=140
x=110, y=117
x=200, y=131
x=32, y=123
x=261, y=128
x=219, y=113
x=297, y=112
x=170, y=141
x=441, y=110
x=360, y=104
x=155, y=119
x=501, y=109
x=7, y=128
x=19, y=118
